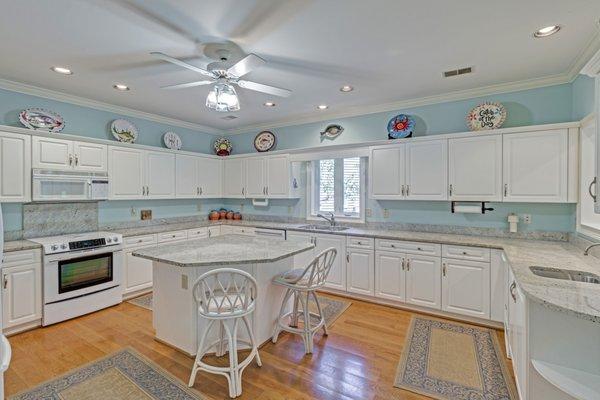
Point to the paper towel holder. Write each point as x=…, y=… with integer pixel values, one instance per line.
x=483, y=207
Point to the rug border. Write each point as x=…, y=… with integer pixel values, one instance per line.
x=130, y=300
x=172, y=378
x=495, y=343
x=339, y=314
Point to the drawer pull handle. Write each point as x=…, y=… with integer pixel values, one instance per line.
x=140, y=240
x=465, y=253
x=5, y=281
x=444, y=269
x=419, y=248
x=392, y=246
x=359, y=242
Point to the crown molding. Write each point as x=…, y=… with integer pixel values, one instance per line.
x=403, y=104
x=99, y=105
x=588, y=62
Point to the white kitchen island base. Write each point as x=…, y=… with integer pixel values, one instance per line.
x=175, y=314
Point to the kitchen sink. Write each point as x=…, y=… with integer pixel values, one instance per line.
x=565, y=274
x=324, y=228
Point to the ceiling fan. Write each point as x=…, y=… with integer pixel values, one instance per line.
x=223, y=96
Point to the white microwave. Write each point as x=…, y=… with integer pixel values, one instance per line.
x=53, y=185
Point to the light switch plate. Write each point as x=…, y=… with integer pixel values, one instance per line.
x=368, y=212
x=184, y=282
x=526, y=218
x=386, y=213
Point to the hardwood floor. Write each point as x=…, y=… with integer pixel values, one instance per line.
x=357, y=360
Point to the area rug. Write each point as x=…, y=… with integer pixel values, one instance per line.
x=449, y=360
x=124, y=375
x=332, y=308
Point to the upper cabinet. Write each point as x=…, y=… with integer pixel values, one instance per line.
x=159, y=174
x=15, y=167
x=210, y=176
x=68, y=154
x=386, y=172
x=475, y=168
x=234, y=178
x=198, y=177
x=256, y=180
x=535, y=166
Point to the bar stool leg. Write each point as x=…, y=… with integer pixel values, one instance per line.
x=277, y=328
x=322, y=318
x=307, y=331
x=232, y=344
x=294, y=319
x=221, y=346
x=252, y=340
x=199, y=353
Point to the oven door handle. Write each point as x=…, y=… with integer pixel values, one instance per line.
x=55, y=258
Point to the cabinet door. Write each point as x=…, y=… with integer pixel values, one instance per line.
x=424, y=281
x=15, y=167
x=390, y=280
x=427, y=170
x=138, y=272
x=337, y=275
x=22, y=294
x=209, y=177
x=186, y=176
x=278, y=177
x=255, y=177
x=214, y=231
x=52, y=153
x=160, y=175
x=360, y=267
x=126, y=172
x=303, y=259
x=475, y=168
x=535, y=166
x=233, y=178
x=90, y=156
x=386, y=172
x=466, y=287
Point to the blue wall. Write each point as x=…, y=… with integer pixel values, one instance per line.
x=545, y=105
x=583, y=97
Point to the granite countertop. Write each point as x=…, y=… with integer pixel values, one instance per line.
x=18, y=245
x=223, y=250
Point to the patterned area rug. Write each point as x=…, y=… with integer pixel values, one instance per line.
x=332, y=308
x=125, y=375
x=449, y=360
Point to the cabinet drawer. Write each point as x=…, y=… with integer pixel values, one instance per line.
x=466, y=253
x=360, y=242
x=243, y=230
x=429, y=249
x=23, y=257
x=136, y=241
x=172, y=236
x=197, y=233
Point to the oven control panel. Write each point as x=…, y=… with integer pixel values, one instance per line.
x=64, y=244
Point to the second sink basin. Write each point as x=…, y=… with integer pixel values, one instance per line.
x=330, y=228
x=565, y=274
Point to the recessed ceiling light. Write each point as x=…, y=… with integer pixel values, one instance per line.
x=62, y=70
x=121, y=87
x=346, y=88
x=322, y=106
x=547, y=31
x=269, y=104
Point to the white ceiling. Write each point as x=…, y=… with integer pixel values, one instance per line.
x=389, y=51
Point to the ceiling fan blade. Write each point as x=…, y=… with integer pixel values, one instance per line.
x=187, y=85
x=175, y=61
x=259, y=87
x=245, y=65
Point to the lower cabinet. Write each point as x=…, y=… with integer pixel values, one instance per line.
x=337, y=275
x=466, y=287
x=390, y=279
x=137, y=274
x=360, y=268
x=216, y=230
x=423, y=283
x=21, y=289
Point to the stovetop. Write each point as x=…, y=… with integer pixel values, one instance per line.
x=80, y=241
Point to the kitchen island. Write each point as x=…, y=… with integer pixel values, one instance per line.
x=175, y=268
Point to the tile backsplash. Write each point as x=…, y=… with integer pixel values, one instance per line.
x=47, y=219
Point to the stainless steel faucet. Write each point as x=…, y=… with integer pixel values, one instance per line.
x=331, y=219
x=587, y=250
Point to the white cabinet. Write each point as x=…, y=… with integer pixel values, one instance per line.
x=303, y=259
x=268, y=177
x=159, y=175
x=426, y=170
x=21, y=288
x=475, y=168
x=256, y=177
x=68, y=154
x=535, y=166
x=186, y=172
x=360, y=266
x=234, y=178
x=390, y=278
x=386, y=172
x=210, y=177
x=126, y=173
x=137, y=271
x=15, y=168
x=214, y=230
x=423, y=281
x=517, y=326
x=466, y=287
x=337, y=275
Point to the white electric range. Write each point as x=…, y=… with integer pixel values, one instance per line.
x=82, y=273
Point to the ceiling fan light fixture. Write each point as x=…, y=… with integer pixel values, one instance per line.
x=223, y=98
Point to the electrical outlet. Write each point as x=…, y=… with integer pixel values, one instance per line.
x=526, y=218
x=290, y=209
x=184, y=282
x=386, y=213
x=133, y=212
x=368, y=212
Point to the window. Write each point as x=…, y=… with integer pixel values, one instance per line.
x=337, y=186
x=588, y=222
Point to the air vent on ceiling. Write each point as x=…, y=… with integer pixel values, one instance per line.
x=229, y=117
x=456, y=72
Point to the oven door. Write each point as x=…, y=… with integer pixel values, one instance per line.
x=76, y=274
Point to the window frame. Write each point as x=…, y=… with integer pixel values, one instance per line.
x=311, y=214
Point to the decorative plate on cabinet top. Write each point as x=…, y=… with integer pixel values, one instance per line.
x=264, y=141
x=172, y=141
x=332, y=131
x=401, y=126
x=40, y=119
x=486, y=116
x=222, y=147
x=124, y=131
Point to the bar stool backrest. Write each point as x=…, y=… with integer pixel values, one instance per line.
x=317, y=271
x=225, y=293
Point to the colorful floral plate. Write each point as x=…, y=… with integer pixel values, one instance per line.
x=486, y=116
x=43, y=120
x=401, y=126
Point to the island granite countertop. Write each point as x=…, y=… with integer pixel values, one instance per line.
x=223, y=250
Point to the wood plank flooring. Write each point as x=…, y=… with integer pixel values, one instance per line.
x=357, y=360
